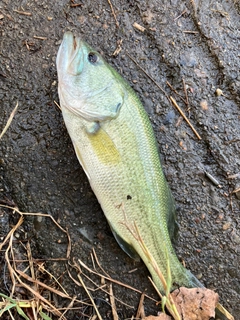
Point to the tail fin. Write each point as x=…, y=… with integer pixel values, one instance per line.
x=194, y=282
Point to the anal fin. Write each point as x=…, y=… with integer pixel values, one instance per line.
x=126, y=247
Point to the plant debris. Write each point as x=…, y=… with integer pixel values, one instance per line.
x=195, y=303
x=161, y=316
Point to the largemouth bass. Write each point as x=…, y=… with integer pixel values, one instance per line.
x=115, y=144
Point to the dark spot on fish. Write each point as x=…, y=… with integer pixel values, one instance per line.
x=129, y=197
x=92, y=57
x=175, y=284
x=74, y=43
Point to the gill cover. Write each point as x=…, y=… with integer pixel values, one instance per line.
x=86, y=86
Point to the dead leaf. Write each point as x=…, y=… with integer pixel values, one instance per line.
x=195, y=303
x=161, y=316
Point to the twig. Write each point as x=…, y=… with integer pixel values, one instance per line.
x=41, y=284
x=37, y=295
x=171, y=87
x=97, y=287
x=147, y=75
x=234, y=176
x=184, y=116
x=14, y=274
x=118, y=48
x=96, y=258
x=139, y=27
x=93, y=262
x=68, y=307
x=9, y=121
x=165, y=283
x=112, y=280
x=90, y=297
x=140, y=311
x=236, y=190
x=112, y=301
x=231, y=141
x=54, y=278
x=42, y=215
x=155, y=287
x=9, y=311
x=40, y=38
x=113, y=12
x=73, y=5
x=20, y=221
x=180, y=15
x=30, y=262
x=133, y=270
x=10, y=237
x=185, y=91
x=57, y=105
x=23, y=12
x=189, y=31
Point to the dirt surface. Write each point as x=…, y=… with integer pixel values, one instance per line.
x=195, y=41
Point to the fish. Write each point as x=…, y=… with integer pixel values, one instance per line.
x=115, y=144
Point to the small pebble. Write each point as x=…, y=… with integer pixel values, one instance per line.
x=204, y=105
x=219, y=92
x=226, y=225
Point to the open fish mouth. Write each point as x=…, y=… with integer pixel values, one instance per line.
x=70, y=54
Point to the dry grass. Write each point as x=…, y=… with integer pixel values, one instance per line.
x=9, y=121
x=26, y=274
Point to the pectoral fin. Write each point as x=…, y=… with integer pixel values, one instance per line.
x=126, y=247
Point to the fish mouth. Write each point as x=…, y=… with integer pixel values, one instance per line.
x=70, y=55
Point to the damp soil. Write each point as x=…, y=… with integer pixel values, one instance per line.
x=193, y=46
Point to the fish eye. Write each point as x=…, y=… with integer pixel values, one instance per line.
x=92, y=57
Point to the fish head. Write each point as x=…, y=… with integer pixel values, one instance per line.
x=87, y=85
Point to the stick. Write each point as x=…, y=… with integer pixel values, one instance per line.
x=90, y=297
x=112, y=280
x=171, y=87
x=113, y=305
x=185, y=118
x=113, y=12
x=9, y=121
x=140, y=311
x=42, y=215
x=148, y=75
x=23, y=12
x=185, y=91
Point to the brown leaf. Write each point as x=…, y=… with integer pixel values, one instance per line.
x=196, y=303
x=161, y=316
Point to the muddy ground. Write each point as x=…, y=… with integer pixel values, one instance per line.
x=197, y=42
